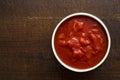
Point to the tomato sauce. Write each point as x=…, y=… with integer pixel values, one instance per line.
x=80, y=42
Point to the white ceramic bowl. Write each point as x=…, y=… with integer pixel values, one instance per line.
x=108, y=36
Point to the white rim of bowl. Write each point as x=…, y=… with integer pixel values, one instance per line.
x=99, y=21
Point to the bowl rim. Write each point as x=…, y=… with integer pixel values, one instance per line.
x=93, y=17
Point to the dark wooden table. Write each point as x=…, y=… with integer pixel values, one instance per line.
x=26, y=28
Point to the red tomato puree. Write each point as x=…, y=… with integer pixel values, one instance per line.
x=80, y=42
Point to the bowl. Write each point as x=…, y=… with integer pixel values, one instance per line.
x=107, y=36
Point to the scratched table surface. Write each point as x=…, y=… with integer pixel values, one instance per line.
x=26, y=27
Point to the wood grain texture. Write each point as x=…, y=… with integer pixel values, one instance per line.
x=26, y=28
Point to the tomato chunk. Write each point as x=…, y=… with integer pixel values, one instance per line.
x=62, y=42
x=77, y=53
x=84, y=41
x=61, y=36
x=77, y=25
x=73, y=42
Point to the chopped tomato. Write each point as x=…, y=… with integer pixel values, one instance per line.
x=80, y=42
